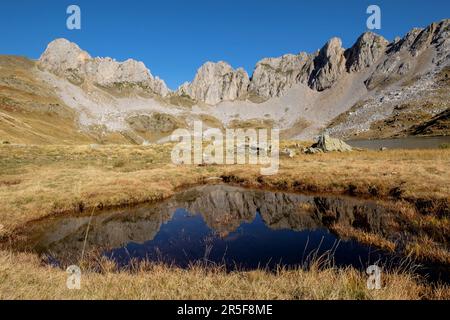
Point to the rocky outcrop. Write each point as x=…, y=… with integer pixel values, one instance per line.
x=365, y=52
x=437, y=34
x=155, y=123
x=406, y=42
x=401, y=57
x=66, y=59
x=274, y=76
x=217, y=82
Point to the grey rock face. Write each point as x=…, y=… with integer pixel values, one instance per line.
x=407, y=41
x=67, y=60
x=217, y=82
x=402, y=55
x=437, y=34
x=365, y=52
x=329, y=65
x=274, y=76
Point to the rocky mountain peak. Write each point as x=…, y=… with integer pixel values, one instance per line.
x=406, y=42
x=332, y=48
x=217, y=82
x=66, y=59
x=329, y=65
x=272, y=77
x=401, y=58
x=365, y=52
x=435, y=33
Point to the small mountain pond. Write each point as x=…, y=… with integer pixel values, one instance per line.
x=220, y=225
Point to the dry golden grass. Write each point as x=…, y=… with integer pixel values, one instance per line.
x=364, y=237
x=427, y=233
x=23, y=277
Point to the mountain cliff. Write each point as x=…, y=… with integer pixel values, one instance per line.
x=67, y=60
x=216, y=82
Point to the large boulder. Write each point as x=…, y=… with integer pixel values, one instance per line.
x=328, y=144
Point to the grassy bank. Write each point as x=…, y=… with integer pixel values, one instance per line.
x=23, y=277
x=39, y=181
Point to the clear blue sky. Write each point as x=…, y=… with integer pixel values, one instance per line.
x=174, y=38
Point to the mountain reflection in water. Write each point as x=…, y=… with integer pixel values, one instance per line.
x=219, y=224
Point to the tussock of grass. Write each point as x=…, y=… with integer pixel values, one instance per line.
x=426, y=249
x=364, y=237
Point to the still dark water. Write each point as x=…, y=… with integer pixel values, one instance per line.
x=186, y=238
x=220, y=225
x=402, y=143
